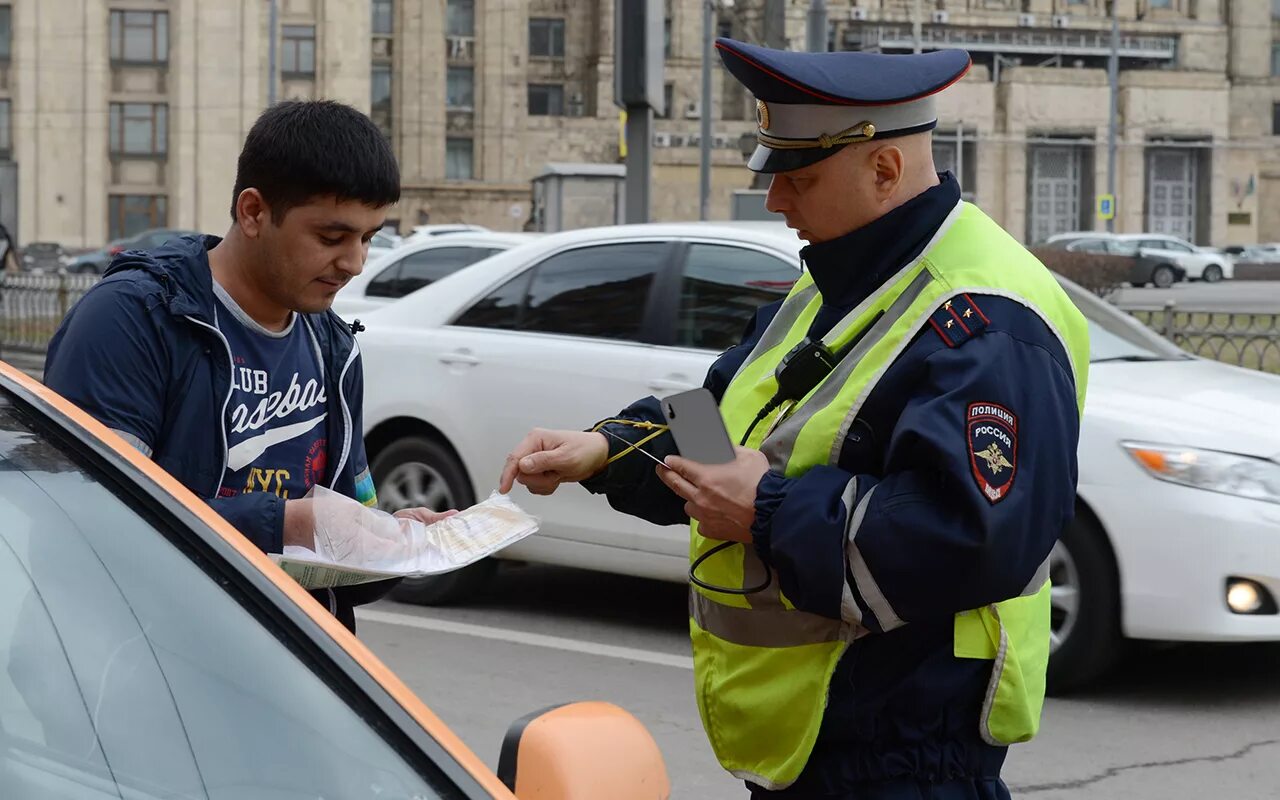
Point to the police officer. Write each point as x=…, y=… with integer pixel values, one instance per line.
x=870, y=607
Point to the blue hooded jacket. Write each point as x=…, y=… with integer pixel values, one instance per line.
x=141, y=354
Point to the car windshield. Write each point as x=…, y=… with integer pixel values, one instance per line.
x=1115, y=335
x=131, y=665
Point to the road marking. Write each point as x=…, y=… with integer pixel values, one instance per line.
x=525, y=638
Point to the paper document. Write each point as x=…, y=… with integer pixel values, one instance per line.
x=414, y=549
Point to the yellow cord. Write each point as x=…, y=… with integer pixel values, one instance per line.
x=657, y=429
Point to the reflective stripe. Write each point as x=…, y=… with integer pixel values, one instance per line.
x=792, y=309
x=850, y=611
x=866, y=584
x=781, y=442
x=765, y=627
x=1038, y=580
x=997, y=671
x=134, y=441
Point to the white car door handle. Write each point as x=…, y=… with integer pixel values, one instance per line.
x=669, y=385
x=460, y=359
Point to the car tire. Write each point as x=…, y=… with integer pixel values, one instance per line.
x=420, y=471
x=1086, y=607
x=1211, y=274
x=1163, y=276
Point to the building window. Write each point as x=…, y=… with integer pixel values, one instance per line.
x=1275, y=119
x=139, y=129
x=460, y=18
x=134, y=213
x=459, y=159
x=383, y=17
x=546, y=100
x=461, y=88
x=724, y=28
x=1275, y=59
x=380, y=97
x=298, y=51
x=6, y=131
x=666, y=38
x=6, y=32
x=546, y=38
x=140, y=37
x=1161, y=3
x=1275, y=9
x=668, y=99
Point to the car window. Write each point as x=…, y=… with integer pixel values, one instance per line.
x=721, y=289
x=500, y=308
x=384, y=283
x=1089, y=246
x=132, y=666
x=428, y=266
x=1157, y=244
x=598, y=291
x=1113, y=334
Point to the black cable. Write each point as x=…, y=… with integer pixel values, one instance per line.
x=768, y=576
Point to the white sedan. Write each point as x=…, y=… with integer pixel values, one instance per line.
x=1178, y=531
x=392, y=274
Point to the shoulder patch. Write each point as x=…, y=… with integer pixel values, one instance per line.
x=958, y=320
x=992, y=436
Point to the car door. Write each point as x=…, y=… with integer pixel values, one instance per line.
x=720, y=287
x=562, y=344
x=1169, y=251
x=142, y=659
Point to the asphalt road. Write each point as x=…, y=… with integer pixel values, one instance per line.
x=1255, y=296
x=1170, y=723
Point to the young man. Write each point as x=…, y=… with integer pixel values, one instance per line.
x=220, y=358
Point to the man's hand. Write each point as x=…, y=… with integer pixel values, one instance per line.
x=721, y=497
x=546, y=459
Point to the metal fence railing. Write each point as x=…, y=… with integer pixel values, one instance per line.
x=1247, y=339
x=32, y=306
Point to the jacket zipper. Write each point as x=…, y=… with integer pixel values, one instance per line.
x=222, y=419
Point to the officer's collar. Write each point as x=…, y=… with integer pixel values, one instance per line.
x=850, y=268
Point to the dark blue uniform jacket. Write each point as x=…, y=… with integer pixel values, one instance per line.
x=901, y=706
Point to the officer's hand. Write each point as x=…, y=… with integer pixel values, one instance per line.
x=721, y=497
x=546, y=459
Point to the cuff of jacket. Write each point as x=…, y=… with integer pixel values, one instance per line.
x=770, y=493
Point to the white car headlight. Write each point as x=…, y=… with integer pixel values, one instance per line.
x=1242, y=476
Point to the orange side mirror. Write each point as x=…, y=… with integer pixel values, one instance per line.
x=583, y=751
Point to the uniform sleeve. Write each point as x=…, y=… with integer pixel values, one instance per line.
x=979, y=481
x=630, y=483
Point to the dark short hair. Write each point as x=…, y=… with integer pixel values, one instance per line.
x=298, y=150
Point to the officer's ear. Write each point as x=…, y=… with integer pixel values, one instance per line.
x=889, y=165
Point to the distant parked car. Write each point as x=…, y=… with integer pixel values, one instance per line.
x=1201, y=263
x=96, y=261
x=42, y=257
x=1147, y=269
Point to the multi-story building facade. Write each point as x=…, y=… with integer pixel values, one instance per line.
x=121, y=114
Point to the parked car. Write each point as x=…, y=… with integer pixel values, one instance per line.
x=383, y=242
x=97, y=261
x=43, y=257
x=1200, y=263
x=443, y=229
x=150, y=651
x=418, y=263
x=1179, y=491
x=1147, y=269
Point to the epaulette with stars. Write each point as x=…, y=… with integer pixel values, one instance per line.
x=958, y=319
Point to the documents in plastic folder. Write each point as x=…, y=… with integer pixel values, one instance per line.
x=450, y=544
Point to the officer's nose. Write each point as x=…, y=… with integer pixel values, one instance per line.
x=778, y=200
